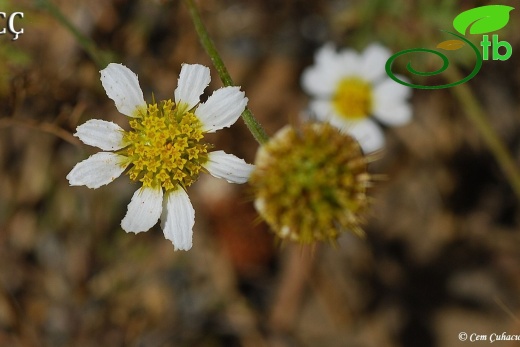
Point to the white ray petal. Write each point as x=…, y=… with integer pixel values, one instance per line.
x=228, y=167
x=97, y=170
x=322, y=78
x=102, y=134
x=320, y=81
x=373, y=60
x=347, y=63
x=122, y=86
x=390, y=104
x=323, y=111
x=326, y=55
x=388, y=91
x=143, y=210
x=222, y=109
x=394, y=115
x=368, y=134
x=177, y=219
x=193, y=79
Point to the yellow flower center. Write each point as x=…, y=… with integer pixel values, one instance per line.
x=164, y=147
x=353, y=98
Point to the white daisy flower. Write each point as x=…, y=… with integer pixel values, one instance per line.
x=163, y=150
x=347, y=88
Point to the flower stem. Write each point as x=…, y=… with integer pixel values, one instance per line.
x=477, y=116
x=252, y=124
x=100, y=58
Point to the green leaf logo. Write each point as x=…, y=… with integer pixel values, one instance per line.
x=483, y=19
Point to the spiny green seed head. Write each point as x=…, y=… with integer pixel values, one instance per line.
x=164, y=147
x=310, y=184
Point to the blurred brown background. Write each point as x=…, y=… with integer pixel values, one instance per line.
x=441, y=254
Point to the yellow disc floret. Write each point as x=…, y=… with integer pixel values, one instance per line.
x=164, y=147
x=353, y=98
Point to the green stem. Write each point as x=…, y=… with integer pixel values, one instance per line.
x=477, y=116
x=99, y=57
x=252, y=124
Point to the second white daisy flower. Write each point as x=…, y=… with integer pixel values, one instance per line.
x=347, y=88
x=163, y=150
